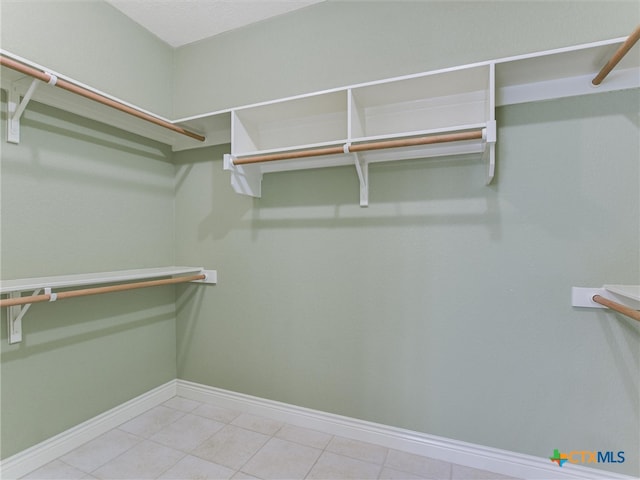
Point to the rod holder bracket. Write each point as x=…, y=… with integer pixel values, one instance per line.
x=16, y=104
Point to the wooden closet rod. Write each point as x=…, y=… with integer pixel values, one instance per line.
x=621, y=52
x=361, y=147
x=65, y=85
x=47, y=297
x=629, y=312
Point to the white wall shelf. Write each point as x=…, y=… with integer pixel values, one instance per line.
x=15, y=288
x=448, y=100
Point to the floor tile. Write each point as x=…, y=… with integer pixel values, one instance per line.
x=146, y=460
x=56, y=470
x=219, y=414
x=100, y=450
x=280, y=459
x=232, y=446
x=191, y=467
x=187, y=432
x=304, y=436
x=422, y=466
x=257, y=423
x=338, y=467
x=461, y=472
x=391, y=474
x=182, y=404
x=244, y=476
x=364, y=451
x=152, y=421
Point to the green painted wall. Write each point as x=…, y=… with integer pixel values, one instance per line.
x=338, y=43
x=80, y=197
x=444, y=307
x=93, y=43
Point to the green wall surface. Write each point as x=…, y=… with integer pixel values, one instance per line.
x=80, y=197
x=93, y=43
x=443, y=308
x=337, y=43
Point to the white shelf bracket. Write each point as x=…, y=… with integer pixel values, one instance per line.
x=362, y=168
x=489, y=156
x=16, y=108
x=244, y=179
x=14, y=318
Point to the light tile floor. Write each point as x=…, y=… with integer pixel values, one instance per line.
x=185, y=439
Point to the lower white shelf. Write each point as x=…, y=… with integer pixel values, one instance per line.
x=17, y=305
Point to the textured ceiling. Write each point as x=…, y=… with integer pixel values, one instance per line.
x=179, y=22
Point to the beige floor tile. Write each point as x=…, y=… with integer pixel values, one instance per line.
x=100, y=450
x=461, y=472
x=304, y=436
x=218, y=414
x=232, y=446
x=391, y=474
x=422, y=466
x=244, y=476
x=152, y=421
x=281, y=459
x=182, y=404
x=56, y=470
x=338, y=467
x=364, y=451
x=146, y=460
x=257, y=423
x=191, y=467
x=187, y=432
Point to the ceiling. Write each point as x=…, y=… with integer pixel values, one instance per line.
x=179, y=22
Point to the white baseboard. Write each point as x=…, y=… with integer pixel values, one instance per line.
x=44, y=452
x=462, y=453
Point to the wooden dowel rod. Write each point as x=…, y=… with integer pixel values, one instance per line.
x=316, y=152
x=9, y=302
x=621, y=52
x=411, y=142
x=629, y=312
x=362, y=147
x=65, y=85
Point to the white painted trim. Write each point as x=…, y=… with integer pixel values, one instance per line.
x=462, y=453
x=44, y=452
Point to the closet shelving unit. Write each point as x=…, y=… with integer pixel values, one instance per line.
x=443, y=112
x=41, y=288
x=350, y=125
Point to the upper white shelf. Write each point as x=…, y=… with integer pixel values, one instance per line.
x=366, y=110
x=83, y=279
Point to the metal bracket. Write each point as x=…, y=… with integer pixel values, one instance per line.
x=362, y=168
x=245, y=181
x=14, y=318
x=489, y=135
x=16, y=109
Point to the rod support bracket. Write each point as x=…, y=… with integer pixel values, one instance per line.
x=16, y=105
x=211, y=277
x=14, y=318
